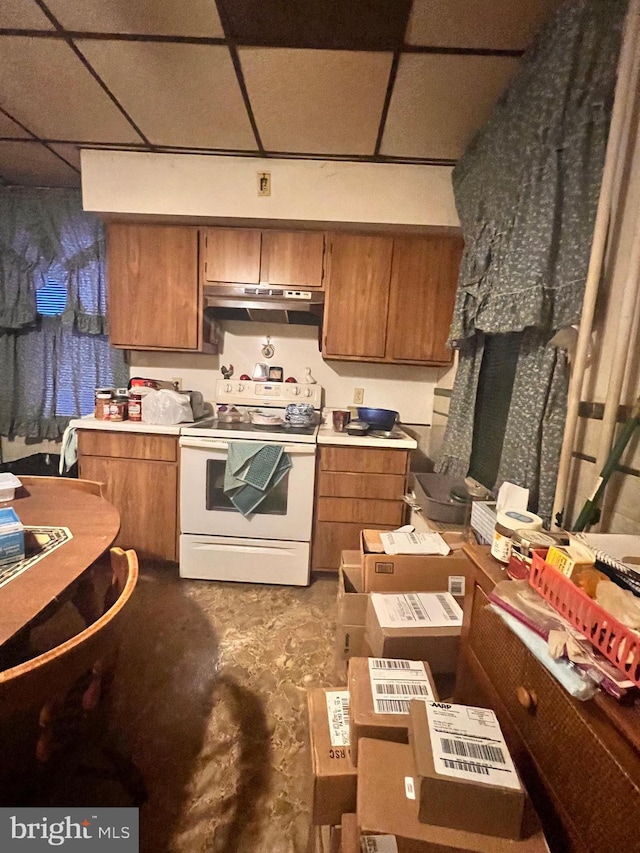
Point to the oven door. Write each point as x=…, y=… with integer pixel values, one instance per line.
x=286, y=513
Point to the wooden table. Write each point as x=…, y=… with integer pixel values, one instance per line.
x=94, y=523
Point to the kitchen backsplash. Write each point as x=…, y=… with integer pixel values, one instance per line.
x=409, y=390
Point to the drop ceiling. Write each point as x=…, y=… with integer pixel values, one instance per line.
x=366, y=80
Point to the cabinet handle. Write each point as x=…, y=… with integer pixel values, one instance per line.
x=527, y=698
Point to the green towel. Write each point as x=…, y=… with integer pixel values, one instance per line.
x=252, y=470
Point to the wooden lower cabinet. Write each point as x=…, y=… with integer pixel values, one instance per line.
x=579, y=760
x=144, y=489
x=357, y=488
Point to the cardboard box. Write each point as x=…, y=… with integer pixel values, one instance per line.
x=11, y=537
x=334, y=775
x=352, y=601
x=349, y=835
x=465, y=776
x=385, y=776
x=413, y=641
x=350, y=642
x=395, y=683
x=412, y=572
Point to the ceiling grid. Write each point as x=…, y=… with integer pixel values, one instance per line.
x=395, y=81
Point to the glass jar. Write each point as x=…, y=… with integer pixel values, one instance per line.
x=118, y=408
x=135, y=407
x=103, y=402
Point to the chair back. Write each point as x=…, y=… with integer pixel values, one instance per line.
x=92, y=487
x=33, y=683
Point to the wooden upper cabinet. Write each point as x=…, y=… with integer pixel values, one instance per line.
x=356, y=307
x=293, y=258
x=424, y=277
x=232, y=254
x=153, y=295
x=283, y=258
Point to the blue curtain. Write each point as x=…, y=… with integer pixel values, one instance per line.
x=53, y=351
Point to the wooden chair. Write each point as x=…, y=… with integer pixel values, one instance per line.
x=44, y=682
x=92, y=487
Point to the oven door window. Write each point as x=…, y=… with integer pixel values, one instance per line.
x=275, y=502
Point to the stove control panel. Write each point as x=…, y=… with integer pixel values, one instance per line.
x=245, y=393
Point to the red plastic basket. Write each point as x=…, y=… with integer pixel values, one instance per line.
x=618, y=644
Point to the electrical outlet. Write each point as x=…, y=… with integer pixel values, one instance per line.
x=358, y=396
x=177, y=380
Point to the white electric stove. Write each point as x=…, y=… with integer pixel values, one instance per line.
x=271, y=544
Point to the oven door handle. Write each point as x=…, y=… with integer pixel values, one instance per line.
x=214, y=444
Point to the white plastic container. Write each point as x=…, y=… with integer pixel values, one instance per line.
x=507, y=522
x=8, y=485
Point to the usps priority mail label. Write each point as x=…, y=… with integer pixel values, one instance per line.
x=83, y=830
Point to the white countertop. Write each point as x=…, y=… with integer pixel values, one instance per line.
x=327, y=435
x=90, y=422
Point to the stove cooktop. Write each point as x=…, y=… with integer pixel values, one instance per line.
x=249, y=431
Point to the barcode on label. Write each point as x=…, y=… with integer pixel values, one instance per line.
x=456, y=584
x=392, y=706
x=344, y=701
x=388, y=663
x=416, y=608
x=448, y=609
x=402, y=688
x=466, y=765
x=467, y=749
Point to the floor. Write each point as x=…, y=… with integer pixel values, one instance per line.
x=209, y=701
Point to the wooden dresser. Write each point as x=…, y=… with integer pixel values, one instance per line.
x=579, y=760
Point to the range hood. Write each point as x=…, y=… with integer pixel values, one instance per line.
x=264, y=304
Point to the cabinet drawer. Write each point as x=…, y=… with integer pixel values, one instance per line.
x=123, y=445
x=331, y=539
x=388, y=487
x=590, y=767
x=368, y=460
x=498, y=650
x=368, y=513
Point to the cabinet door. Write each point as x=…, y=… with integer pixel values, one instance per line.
x=355, y=316
x=293, y=258
x=424, y=278
x=145, y=493
x=232, y=254
x=331, y=539
x=153, y=299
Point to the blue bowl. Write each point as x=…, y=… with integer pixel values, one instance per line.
x=383, y=419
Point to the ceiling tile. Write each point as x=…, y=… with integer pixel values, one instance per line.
x=24, y=15
x=10, y=128
x=337, y=24
x=71, y=153
x=151, y=17
x=316, y=101
x=178, y=94
x=31, y=164
x=438, y=102
x=499, y=24
x=46, y=87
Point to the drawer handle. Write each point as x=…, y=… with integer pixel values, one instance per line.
x=527, y=698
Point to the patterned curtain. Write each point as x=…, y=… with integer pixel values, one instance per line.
x=526, y=191
x=50, y=365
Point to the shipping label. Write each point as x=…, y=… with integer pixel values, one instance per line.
x=417, y=609
x=394, y=683
x=457, y=584
x=467, y=743
x=338, y=717
x=378, y=844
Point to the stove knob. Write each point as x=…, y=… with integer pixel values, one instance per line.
x=240, y=387
x=308, y=392
x=295, y=391
x=228, y=388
